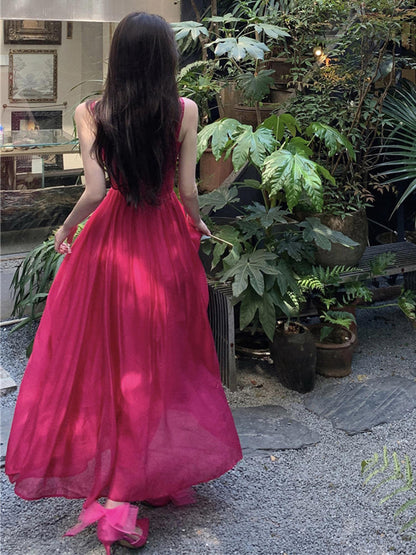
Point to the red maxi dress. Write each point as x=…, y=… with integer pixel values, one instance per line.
x=122, y=394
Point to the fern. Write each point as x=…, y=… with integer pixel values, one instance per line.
x=401, y=472
x=381, y=262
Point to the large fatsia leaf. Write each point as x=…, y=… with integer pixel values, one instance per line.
x=272, y=31
x=249, y=305
x=192, y=28
x=218, y=199
x=333, y=139
x=295, y=174
x=267, y=316
x=249, y=270
x=252, y=146
x=279, y=123
x=266, y=217
x=240, y=48
x=219, y=133
x=256, y=85
x=322, y=235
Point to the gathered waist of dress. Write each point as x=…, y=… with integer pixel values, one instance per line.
x=165, y=194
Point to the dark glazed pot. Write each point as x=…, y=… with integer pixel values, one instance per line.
x=355, y=226
x=294, y=357
x=333, y=360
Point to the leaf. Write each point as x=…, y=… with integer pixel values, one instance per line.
x=267, y=317
x=218, y=133
x=405, y=506
x=272, y=31
x=251, y=266
x=218, y=199
x=239, y=48
x=256, y=86
x=252, y=146
x=249, y=305
x=185, y=28
x=333, y=139
x=266, y=217
x=295, y=174
x=322, y=235
x=279, y=123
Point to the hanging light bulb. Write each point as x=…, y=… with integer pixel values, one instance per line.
x=318, y=51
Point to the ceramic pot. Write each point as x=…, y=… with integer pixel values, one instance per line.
x=355, y=226
x=294, y=357
x=248, y=116
x=212, y=173
x=333, y=360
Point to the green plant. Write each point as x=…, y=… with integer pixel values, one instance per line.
x=283, y=154
x=197, y=82
x=235, y=45
x=396, y=470
x=269, y=256
x=399, y=108
x=32, y=280
x=347, y=85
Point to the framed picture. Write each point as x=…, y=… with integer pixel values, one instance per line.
x=26, y=31
x=32, y=75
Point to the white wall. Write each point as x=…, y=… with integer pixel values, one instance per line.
x=80, y=60
x=86, y=10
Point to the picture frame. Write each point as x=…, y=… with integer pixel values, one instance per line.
x=26, y=31
x=33, y=75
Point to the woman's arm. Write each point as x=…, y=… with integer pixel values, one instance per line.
x=187, y=163
x=95, y=187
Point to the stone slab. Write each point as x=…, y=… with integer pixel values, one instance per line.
x=7, y=383
x=6, y=417
x=268, y=428
x=358, y=407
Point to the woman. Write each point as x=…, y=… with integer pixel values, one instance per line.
x=122, y=397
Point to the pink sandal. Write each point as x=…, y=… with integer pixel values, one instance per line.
x=118, y=524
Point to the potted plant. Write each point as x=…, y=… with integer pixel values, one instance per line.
x=268, y=257
x=282, y=152
x=237, y=43
x=355, y=67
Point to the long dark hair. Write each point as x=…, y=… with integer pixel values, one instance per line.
x=138, y=115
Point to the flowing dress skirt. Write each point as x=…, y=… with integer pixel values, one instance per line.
x=122, y=394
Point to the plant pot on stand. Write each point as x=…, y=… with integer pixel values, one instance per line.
x=294, y=356
x=212, y=172
x=355, y=226
x=334, y=354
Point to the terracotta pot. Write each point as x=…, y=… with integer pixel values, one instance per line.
x=281, y=67
x=355, y=226
x=279, y=95
x=333, y=360
x=294, y=358
x=213, y=173
x=248, y=116
x=229, y=98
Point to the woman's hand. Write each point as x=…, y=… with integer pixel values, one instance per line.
x=61, y=245
x=202, y=228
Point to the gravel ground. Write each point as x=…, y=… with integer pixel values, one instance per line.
x=310, y=501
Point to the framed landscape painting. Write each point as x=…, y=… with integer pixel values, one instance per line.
x=33, y=75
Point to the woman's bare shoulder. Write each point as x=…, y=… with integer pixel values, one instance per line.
x=83, y=115
x=190, y=117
